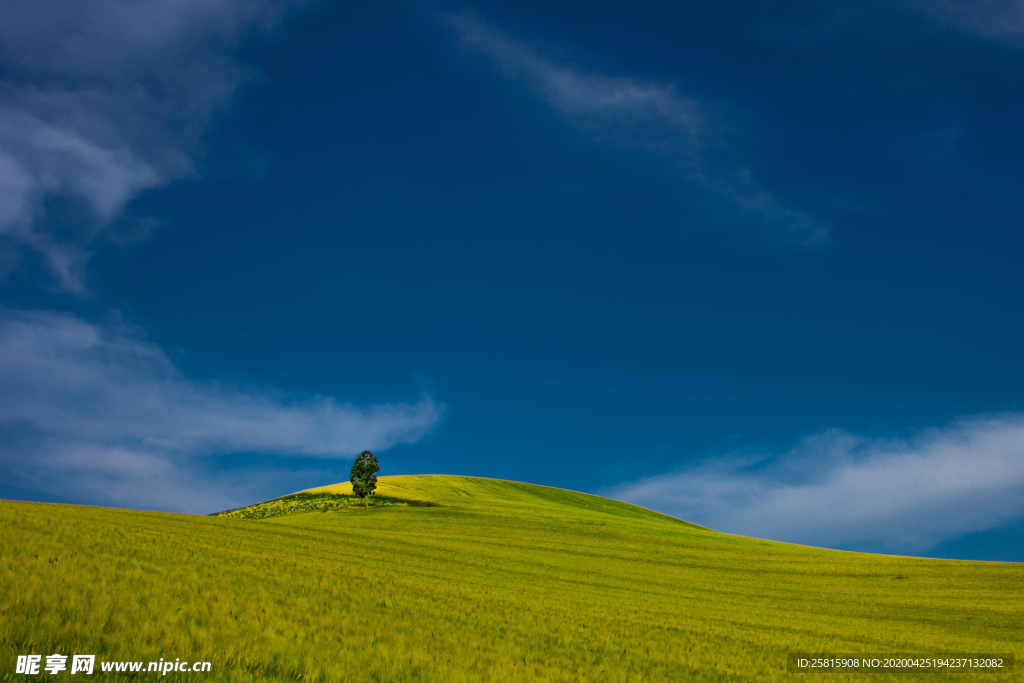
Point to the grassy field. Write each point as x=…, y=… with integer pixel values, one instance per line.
x=496, y=581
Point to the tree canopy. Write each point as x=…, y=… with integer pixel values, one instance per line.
x=364, y=475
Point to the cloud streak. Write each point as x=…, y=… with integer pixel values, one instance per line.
x=102, y=100
x=1001, y=20
x=843, y=491
x=104, y=408
x=640, y=115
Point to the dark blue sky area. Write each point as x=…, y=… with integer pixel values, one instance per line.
x=713, y=258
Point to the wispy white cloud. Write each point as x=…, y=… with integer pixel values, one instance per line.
x=642, y=115
x=1001, y=20
x=84, y=472
x=101, y=100
x=840, y=490
x=103, y=408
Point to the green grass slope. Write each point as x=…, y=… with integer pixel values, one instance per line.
x=497, y=496
x=494, y=581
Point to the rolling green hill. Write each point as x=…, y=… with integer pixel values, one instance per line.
x=467, y=579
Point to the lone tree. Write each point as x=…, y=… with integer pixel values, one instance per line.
x=364, y=476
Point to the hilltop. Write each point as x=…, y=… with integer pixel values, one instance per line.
x=467, y=579
x=442, y=490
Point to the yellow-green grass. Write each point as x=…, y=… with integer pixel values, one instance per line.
x=498, y=581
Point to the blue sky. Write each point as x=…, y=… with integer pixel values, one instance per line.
x=754, y=266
